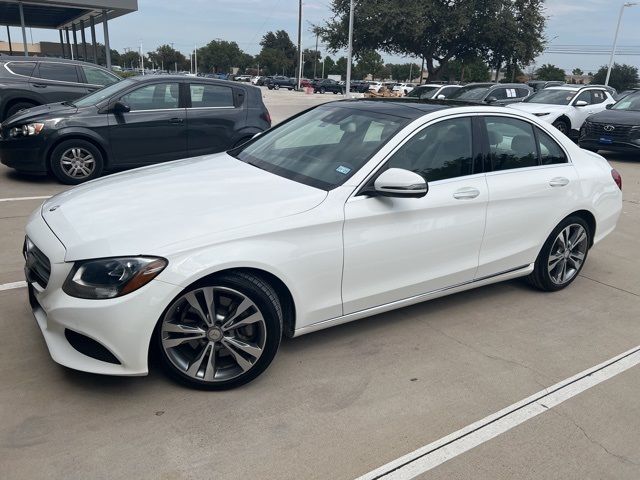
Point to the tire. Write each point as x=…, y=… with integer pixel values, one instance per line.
x=562, y=126
x=290, y=88
x=79, y=156
x=276, y=87
x=241, y=353
x=322, y=90
x=549, y=279
x=16, y=107
x=335, y=92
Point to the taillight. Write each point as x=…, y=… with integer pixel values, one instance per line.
x=617, y=178
x=266, y=116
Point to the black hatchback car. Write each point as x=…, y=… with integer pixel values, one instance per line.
x=616, y=129
x=138, y=121
x=26, y=82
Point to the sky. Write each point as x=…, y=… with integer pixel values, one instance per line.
x=185, y=23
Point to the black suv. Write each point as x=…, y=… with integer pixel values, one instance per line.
x=135, y=122
x=277, y=82
x=328, y=85
x=30, y=81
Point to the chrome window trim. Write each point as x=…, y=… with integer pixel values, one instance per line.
x=6, y=66
x=214, y=108
x=157, y=110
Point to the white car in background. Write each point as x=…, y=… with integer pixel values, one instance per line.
x=403, y=87
x=348, y=210
x=375, y=86
x=566, y=107
x=433, y=91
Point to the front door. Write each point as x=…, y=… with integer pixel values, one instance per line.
x=155, y=128
x=396, y=248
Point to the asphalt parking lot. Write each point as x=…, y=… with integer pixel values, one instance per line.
x=340, y=403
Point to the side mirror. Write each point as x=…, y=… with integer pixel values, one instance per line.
x=610, y=105
x=581, y=103
x=440, y=97
x=401, y=183
x=492, y=99
x=120, y=107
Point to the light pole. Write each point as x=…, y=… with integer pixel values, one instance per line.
x=300, y=61
x=349, y=51
x=615, y=39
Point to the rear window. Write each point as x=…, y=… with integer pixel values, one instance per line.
x=22, y=68
x=97, y=76
x=203, y=96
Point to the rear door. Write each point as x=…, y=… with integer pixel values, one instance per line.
x=57, y=81
x=396, y=248
x=154, y=130
x=215, y=114
x=529, y=180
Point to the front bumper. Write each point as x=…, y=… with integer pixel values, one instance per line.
x=26, y=154
x=123, y=326
x=592, y=143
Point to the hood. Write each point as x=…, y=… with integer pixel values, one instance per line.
x=537, y=107
x=138, y=212
x=42, y=112
x=617, y=117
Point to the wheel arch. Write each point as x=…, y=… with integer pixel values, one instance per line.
x=590, y=218
x=77, y=135
x=11, y=102
x=564, y=118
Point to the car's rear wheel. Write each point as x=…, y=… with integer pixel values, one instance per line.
x=76, y=161
x=562, y=256
x=221, y=333
x=17, y=107
x=322, y=90
x=276, y=87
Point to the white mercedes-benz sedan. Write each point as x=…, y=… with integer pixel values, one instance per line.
x=349, y=209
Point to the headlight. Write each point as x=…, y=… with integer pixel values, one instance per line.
x=542, y=114
x=111, y=277
x=27, y=130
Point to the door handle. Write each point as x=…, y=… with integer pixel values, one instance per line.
x=559, y=182
x=176, y=120
x=467, y=193
x=39, y=85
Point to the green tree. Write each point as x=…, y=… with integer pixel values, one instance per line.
x=550, y=72
x=221, y=56
x=165, y=56
x=622, y=78
x=369, y=63
x=130, y=59
x=329, y=66
x=577, y=72
x=278, y=54
x=310, y=57
x=402, y=72
x=470, y=69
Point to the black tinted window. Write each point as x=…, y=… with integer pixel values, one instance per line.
x=438, y=152
x=210, y=96
x=597, y=96
x=511, y=143
x=22, y=68
x=156, y=96
x=522, y=92
x=550, y=151
x=58, y=71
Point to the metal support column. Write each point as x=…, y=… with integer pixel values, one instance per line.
x=24, y=31
x=9, y=39
x=75, y=40
x=62, y=49
x=93, y=40
x=107, y=47
x=84, y=41
x=66, y=31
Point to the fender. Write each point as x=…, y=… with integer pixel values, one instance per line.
x=14, y=95
x=77, y=132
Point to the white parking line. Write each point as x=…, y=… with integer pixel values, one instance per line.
x=11, y=286
x=17, y=199
x=438, y=452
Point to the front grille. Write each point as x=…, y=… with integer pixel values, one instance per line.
x=619, y=132
x=37, y=266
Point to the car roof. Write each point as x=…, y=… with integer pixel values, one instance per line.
x=12, y=58
x=573, y=88
x=410, y=108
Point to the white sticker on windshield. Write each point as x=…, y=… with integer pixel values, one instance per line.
x=343, y=170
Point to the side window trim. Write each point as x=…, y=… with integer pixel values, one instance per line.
x=186, y=91
x=65, y=82
x=181, y=98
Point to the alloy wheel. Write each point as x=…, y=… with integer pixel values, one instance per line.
x=77, y=162
x=567, y=254
x=213, y=334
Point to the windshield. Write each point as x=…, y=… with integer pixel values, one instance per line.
x=322, y=147
x=630, y=102
x=99, y=95
x=422, y=92
x=552, y=97
x=470, y=92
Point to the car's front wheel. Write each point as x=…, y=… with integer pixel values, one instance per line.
x=562, y=255
x=221, y=333
x=562, y=126
x=76, y=161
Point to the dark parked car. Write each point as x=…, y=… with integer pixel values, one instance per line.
x=359, y=86
x=138, y=121
x=27, y=82
x=542, y=84
x=615, y=129
x=328, y=85
x=492, y=93
x=277, y=82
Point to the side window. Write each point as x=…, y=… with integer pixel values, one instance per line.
x=597, y=96
x=203, y=95
x=584, y=96
x=61, y=72
x=448, y=91
x=499, y=93
x=153, y=97
x=522, y=92
x=550, y=151
x=22, y=68
x=96, y=76
x=511, y=143
x=438, y=152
